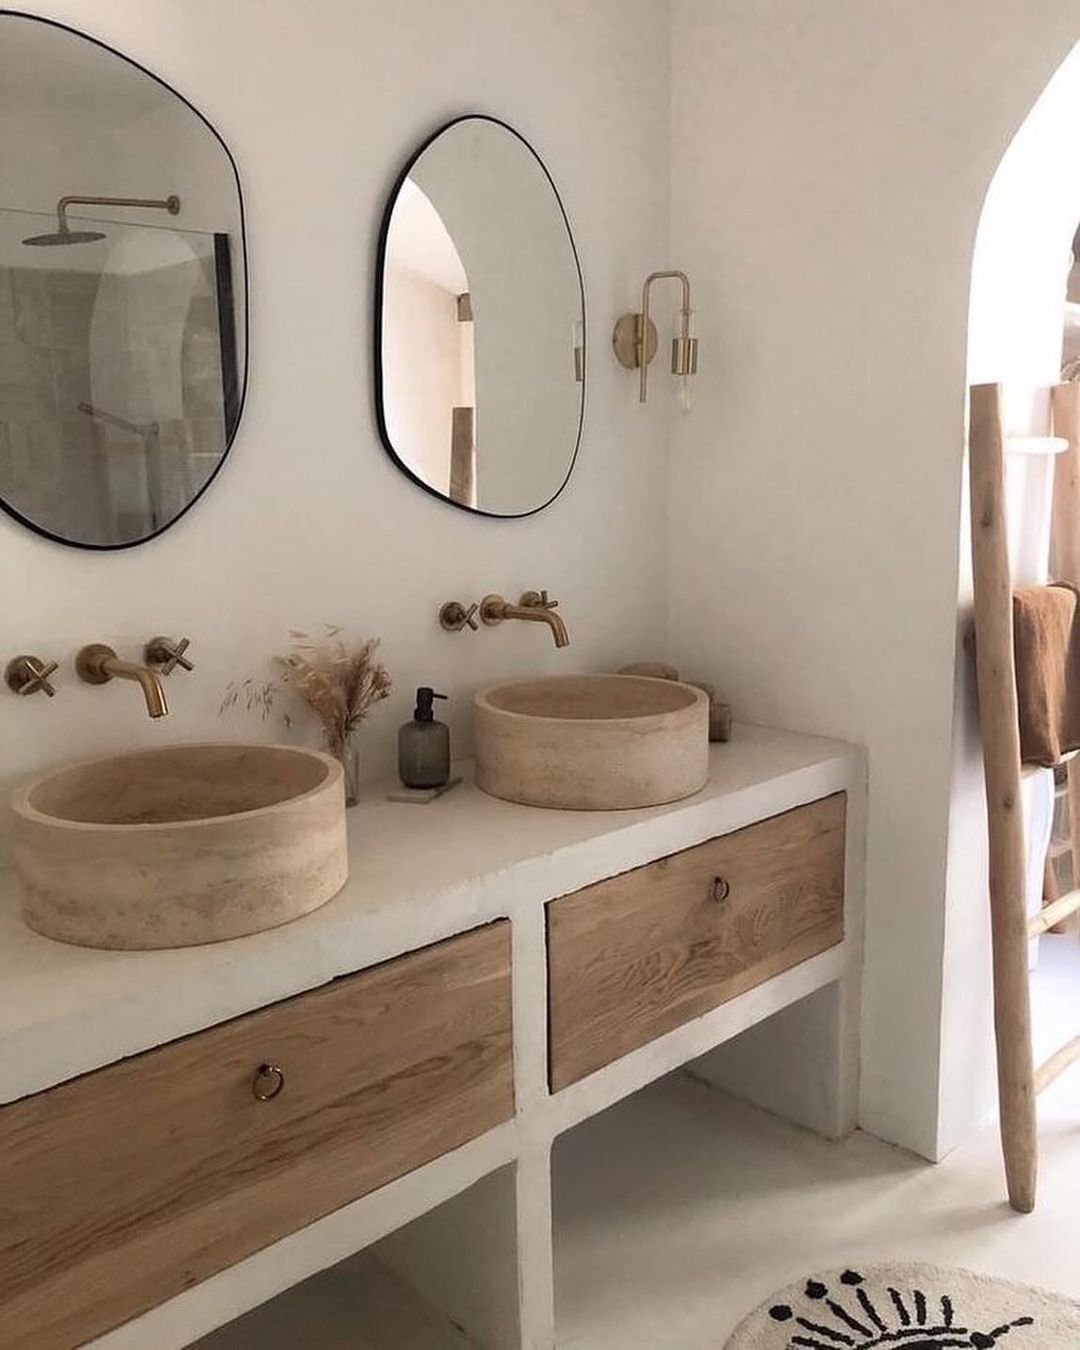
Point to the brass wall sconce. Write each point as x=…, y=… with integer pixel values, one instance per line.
x=635, y=338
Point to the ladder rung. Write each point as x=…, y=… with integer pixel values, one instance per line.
x=1054, y=913
x=1036, y=445
x=1057, y=1064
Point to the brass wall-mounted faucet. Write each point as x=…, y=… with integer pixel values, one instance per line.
x=534, y=606
x=98, y=664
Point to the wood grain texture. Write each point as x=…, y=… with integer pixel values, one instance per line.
x=124, y=1187
x=999, y=728
x=1065, y=524
x=1065, y=549
x=638, y=955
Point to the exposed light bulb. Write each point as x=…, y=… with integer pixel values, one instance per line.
x=684, y=357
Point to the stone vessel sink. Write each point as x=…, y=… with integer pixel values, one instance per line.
x=179, y=845
x=592, y=742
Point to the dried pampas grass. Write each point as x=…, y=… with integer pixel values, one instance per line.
x=338, y=681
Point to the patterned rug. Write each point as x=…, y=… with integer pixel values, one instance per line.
x=910, y=1307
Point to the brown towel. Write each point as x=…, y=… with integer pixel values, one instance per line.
x=1046, y=639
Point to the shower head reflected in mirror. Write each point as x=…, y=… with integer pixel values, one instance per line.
x=63, y=234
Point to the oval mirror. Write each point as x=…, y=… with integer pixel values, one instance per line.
x=480, y=323
x=123, y=292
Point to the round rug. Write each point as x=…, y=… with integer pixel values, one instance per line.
x=911, y=1307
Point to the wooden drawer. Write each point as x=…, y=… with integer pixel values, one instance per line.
x=126, y=1186
x=635, y=956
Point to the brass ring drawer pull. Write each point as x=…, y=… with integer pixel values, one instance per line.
x=267, y=1083
x=720, y=890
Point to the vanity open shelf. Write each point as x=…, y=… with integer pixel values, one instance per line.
x=291, y=1098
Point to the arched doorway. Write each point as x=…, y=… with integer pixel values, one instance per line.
x=1022, y=261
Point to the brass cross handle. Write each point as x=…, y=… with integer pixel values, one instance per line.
x=453, y=616
x=165, y=654
x=30, y=675
x=537, y=600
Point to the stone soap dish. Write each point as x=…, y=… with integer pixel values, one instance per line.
x=420, y=796
x=719, y=713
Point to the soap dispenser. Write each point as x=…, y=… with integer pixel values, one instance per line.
x=424, y=745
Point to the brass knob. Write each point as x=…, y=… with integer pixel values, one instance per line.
x=720, y=890
x=165, y=654
x=453, y=616
x=267, y=1082
x=29, y=675
x=493, y=609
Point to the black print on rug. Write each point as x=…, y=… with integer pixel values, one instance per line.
x=912, y=1320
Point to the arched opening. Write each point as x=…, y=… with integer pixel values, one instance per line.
x=1021, y=334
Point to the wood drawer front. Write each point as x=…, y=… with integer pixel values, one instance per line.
x=637, y=955
x=126, y=1186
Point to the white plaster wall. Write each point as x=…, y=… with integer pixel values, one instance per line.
x=829, y=166
x=830, y=163
x=309, y=521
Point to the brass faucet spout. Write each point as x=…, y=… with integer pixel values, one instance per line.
x=535, y=607
x=147, y=680
x=534, y=614
x=98, y=664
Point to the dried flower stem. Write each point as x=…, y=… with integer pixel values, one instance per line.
x=339, y=683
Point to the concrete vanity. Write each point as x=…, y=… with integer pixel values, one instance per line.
x=311, y=1089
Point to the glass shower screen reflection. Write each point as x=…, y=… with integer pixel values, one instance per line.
x=120, y=388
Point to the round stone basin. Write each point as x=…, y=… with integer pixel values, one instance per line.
x=592, y=742
x=180, y=845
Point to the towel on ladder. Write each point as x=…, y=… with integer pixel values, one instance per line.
x=1046, y=642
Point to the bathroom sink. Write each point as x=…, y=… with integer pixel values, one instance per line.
x=592, y=742
x=179, y=845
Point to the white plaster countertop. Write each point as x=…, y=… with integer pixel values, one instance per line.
x=417, y=874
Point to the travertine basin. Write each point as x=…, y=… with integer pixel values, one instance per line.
x=180, y=845
x=592, y=742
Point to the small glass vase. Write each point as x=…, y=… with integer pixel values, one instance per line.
x=348, y=756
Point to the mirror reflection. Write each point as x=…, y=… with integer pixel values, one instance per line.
x=122, y=292
x=480, y=364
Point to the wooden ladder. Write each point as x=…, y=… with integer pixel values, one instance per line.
x=1019, y=1080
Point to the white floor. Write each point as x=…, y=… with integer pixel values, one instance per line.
x=680, y=1210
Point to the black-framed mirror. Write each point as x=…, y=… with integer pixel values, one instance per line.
x=123, y=291
x=480, y=323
